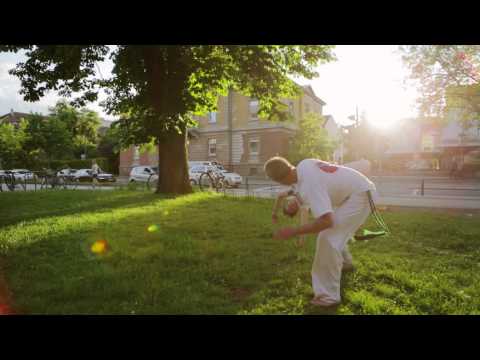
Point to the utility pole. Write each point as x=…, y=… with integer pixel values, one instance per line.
x=356, y=113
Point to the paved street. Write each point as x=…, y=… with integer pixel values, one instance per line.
x=394, y=191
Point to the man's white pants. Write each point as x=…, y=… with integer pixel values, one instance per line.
x=332, y=250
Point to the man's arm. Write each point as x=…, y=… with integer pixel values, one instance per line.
x=277, y=205
x=319, y=224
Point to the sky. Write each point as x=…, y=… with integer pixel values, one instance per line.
x=368, y=76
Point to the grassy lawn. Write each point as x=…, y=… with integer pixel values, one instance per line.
x=211, y=254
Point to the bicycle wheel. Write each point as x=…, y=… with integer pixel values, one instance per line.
x=206, y=182
x=61, y=183
x=152, y=183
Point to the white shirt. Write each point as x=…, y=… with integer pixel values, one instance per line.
x=323, y=186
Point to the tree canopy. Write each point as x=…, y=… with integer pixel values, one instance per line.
x=157, y=89
x=448, y=77
x=311, y=140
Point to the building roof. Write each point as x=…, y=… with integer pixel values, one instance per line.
x=13, y=117
x=308, y=89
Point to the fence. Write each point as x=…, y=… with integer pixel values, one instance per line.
x=262, y=188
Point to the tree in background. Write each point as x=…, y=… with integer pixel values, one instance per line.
x=48, y=138
x=157, y=89
x=448, y=77
x=311, y=140
x=109, y=147
x=11, y=144
x=83, y=125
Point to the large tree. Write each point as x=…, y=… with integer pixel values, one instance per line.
x=157, y=89
x=448, y=77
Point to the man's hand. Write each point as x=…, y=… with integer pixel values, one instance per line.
x=285, y=233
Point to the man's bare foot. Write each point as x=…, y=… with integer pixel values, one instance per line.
x=318, y=301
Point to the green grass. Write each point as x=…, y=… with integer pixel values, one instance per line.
x=214, y=255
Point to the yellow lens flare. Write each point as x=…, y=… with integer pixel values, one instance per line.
x=153, y=228
x=99, y=247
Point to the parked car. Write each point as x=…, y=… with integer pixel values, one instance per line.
x=69, y=174
x=194, y=173
x=142, y=173
x=232, y=179
x=86, y=175
x=22, y=174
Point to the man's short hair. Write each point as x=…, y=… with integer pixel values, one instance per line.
x=277, y=168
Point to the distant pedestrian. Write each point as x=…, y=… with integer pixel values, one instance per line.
x=95, y=171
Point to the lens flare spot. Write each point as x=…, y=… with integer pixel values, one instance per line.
x=5, y=309
x=99, y=247
x=153, y=228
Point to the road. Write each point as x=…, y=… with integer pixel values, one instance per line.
x=386, y=186
x=399, y=185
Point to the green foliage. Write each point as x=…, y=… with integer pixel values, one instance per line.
x=311, y=140
x=104, y=164
x=11, y=144
x=82, y=124
x=49, y=137
x=447, y=75
x=429, y=265
x=109, y=147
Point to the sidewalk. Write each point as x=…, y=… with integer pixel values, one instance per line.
x=442, y=202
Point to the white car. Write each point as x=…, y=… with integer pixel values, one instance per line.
x=86, y=175
x=232, y=179
x=194, y=173
x=67, y=173
x=142, y=173
x=22, y=174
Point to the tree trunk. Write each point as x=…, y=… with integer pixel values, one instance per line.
x=172, y=165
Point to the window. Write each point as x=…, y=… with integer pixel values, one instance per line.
x=253, y=171
x=253, y=107
x=253, y=147
x=290, y=107
x=212, y=147
x=212, y=117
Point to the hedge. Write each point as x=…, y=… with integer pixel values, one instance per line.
x=104, y=164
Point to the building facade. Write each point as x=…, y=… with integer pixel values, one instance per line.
x=433, y=145
x=235, y=136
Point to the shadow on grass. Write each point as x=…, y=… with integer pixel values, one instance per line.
x=194, y=263
x=29, y=206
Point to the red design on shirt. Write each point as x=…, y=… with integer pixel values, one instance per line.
x=326, y=167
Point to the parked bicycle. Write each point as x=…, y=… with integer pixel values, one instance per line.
x=50, y=179
x=9, y=180
x=152, y=182
x=211, y=180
